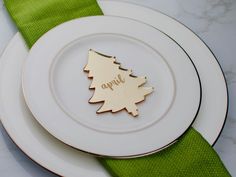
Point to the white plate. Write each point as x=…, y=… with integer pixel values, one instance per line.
x=65, y=161
x=56, y=88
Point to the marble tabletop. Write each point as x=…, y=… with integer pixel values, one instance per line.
x=213, y=20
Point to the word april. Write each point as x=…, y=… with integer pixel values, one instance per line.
x=116, y=82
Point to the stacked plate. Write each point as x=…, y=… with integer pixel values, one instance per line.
x=44, y=92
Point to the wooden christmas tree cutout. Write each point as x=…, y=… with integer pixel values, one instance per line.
x=113, y=85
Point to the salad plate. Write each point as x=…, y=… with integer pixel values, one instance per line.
x=56, y=90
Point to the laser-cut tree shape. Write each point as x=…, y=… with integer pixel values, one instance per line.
x=113, y=85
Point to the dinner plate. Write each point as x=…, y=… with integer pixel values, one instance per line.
x=65, y=161
x=56, y=90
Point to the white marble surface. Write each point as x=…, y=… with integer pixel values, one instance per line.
x=213, y=20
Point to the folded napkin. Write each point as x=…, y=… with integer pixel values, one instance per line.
x=35, y=17
x=190, y=156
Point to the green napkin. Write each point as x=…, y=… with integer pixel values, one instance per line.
x=35, y=17
x=190, y=156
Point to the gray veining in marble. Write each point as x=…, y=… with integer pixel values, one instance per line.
x=213, y=20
